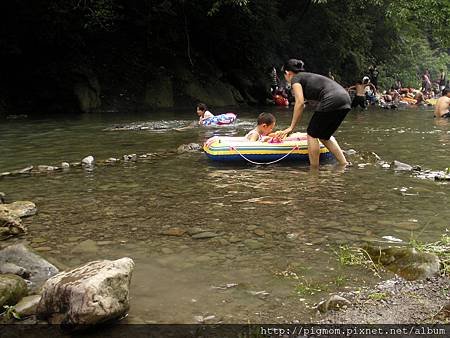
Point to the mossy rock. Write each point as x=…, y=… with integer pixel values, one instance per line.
x=406, y=262
x=12, y=289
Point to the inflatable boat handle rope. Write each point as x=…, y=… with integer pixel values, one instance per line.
x=272, y=162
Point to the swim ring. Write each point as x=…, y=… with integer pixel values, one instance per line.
x=219, y=120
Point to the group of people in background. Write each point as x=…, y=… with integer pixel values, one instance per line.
x=333, y=104
x=366, y=91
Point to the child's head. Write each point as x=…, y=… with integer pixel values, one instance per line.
x=266, y=122
x=201, y=108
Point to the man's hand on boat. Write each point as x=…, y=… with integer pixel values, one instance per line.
x=283, y=133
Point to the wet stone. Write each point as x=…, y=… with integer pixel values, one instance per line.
x=27, y=305
x=88, y=246
x=43, y=248
x=12, y=289
x=178, y=232
x=38, y=240
x=335, y=302
x=408, y=225
x=205, y=235
x=74, y=238
x=358, y=229
x=223, y=241
x=195, y=230
x=234, y=239
x=102, y=243
x=253, y=244
x=259, y=232
x=167, y=251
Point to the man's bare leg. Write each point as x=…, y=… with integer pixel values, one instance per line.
x=333, y=146
x=313, y=151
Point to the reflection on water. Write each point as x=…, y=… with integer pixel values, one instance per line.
x=262, y=220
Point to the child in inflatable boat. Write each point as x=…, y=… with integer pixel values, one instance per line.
x=263, y=131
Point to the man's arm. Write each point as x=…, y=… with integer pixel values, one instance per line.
x=298, y=109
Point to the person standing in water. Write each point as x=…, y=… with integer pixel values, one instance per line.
x=334, y=104
x=443, y=104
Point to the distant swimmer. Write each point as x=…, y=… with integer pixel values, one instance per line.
x=442, y=105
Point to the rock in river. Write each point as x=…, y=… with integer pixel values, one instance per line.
x=39, y=269
x=20, y=208
x=12, y=289
x=335, y=302
x=406, y=262
x=10, y=224
x=93, y=293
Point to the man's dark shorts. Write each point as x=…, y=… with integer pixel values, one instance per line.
x=323, y=124
x=359, y=101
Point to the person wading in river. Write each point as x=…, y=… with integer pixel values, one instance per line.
x=442, y=105
x=334, y=104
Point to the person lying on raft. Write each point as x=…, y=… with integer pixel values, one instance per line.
x=203, y=112
x=263, y=131
x=442, y=105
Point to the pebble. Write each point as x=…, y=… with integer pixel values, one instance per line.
x=234, y=239
x=204, y=235
x=105, y=243
x=195, y=230
x=88, y=160
x=167, y=251
x=178, y=232
x=38, y=240
x=43, y=248
x=259, y=232
x=253, y=244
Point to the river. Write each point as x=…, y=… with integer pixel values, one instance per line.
x=270, y=221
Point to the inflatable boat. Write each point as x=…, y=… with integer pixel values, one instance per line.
x=219, y=120
x=239, y=149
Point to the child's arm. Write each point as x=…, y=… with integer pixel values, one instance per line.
x=253, y=137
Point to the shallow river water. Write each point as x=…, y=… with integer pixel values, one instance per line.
x=267, y=219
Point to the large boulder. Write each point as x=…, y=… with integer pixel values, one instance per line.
x=12, y=289
x=38, y=269
x=93, y=293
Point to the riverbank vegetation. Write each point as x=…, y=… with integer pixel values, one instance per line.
x=81, y=55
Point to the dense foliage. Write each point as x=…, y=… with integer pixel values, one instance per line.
x=137, y=40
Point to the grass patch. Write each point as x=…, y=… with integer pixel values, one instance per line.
x=353, y=256
x=309, y=288
x=378, y=296
x=340, y=281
